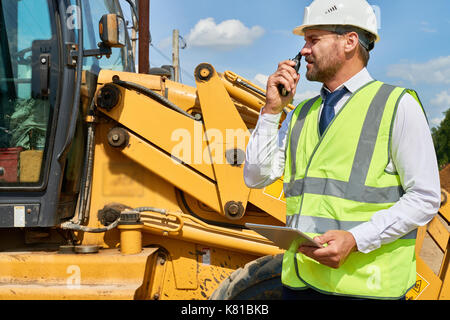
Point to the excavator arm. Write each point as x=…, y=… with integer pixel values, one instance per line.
x=196, y=144
x=203, y=157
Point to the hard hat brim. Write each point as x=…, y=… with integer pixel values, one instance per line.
x=300, y=30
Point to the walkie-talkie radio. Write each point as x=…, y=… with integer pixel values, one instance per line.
x=298, y=63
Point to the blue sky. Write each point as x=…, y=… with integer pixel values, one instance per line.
x=414, y=50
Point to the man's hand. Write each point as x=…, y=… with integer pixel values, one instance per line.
x=340, y=245
x=287, y=76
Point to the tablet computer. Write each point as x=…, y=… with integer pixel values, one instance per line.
x=283, y=236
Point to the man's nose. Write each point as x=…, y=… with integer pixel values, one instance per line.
x=306, y=51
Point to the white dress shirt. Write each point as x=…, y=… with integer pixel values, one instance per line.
x=412, y=156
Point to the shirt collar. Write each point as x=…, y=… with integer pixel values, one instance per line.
x=356, y=82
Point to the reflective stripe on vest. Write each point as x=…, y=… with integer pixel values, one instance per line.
x=355, y=189
x=320, y=198
x=320, y=225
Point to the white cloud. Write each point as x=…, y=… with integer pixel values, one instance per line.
x=261, y=80
x=226, y=35
x=442, y=99
x=436, y=71
x=428, y=30
x=442, y=102
x=436, y=121
x=302, y=96
x=425, y=27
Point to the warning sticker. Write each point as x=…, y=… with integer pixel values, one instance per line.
x=275, y=190
x=19, y=216
x=206, y=256
x=418, y=289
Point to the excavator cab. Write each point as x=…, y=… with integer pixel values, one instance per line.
x=41, y=132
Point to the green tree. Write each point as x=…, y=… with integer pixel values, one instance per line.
x=441, y=139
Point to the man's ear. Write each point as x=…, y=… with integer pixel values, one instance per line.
x=351, y=42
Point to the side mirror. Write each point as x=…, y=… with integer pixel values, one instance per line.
x=112, y=31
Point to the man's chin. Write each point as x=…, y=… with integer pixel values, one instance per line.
x=312, y=77
x=315, y=76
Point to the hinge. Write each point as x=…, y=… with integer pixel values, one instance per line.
x=72, y=56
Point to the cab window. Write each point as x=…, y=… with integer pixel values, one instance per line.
x=28, y=50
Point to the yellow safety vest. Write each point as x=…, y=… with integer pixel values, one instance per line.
x=338, y=181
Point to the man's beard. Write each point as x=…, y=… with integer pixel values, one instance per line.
x=323, y=69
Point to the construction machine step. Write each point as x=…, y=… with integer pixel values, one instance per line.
x=46, y=275
x=29, y=291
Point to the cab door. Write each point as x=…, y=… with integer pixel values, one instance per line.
x=36, y=99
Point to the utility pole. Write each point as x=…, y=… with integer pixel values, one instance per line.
x=134, y=10
x=176, y=54
x=144, y=36
x=134, y=39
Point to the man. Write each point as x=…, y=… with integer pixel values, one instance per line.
x=360, y=170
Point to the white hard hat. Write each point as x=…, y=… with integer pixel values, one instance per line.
x=355, y=13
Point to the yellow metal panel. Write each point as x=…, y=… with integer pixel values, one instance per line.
x=182, y=95
x=46, y=275
x=94, y=268
x=171, y=131
x=444, y=274
x=190, y=181
x=215, y=265
x=445, y=207
x=276, y=207
x=154, y=279
x=174, y=172
x=185, y=266
x=421, y=233
x=119, y=180
x=439, y=233
x=222, y=118
x=62, y=292
x=427, y=285
x=275, y=190
x=207, y=265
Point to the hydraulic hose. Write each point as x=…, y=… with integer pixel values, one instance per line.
x=85, y=189
x=151, y=209
x=76, y=227
x=155, y=96
x=248, y=85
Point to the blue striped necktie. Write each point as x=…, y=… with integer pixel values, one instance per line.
x=328, y=113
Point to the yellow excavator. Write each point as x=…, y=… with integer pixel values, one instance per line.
x=123, y=185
